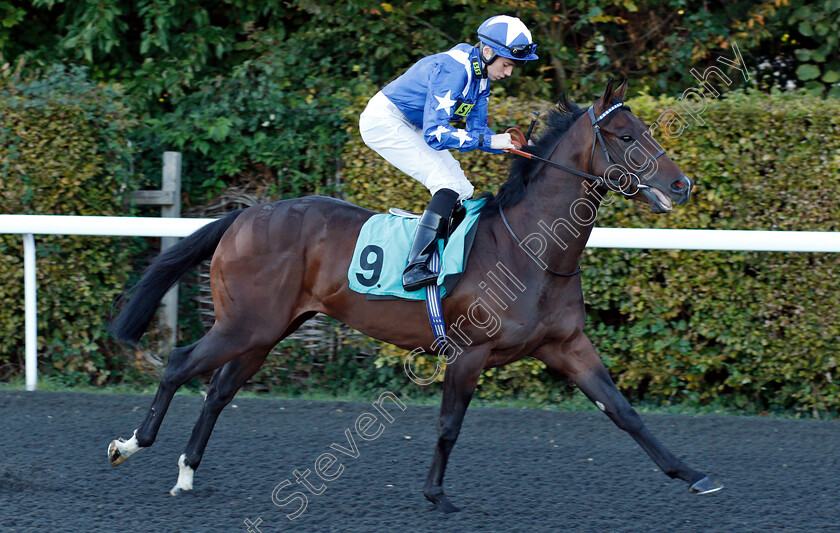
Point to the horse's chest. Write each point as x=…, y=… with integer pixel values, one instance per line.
x=541, y=321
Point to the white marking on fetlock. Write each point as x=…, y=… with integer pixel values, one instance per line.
x=129, y=447
x=185, y=476
x=599, y=405
x=119, y=450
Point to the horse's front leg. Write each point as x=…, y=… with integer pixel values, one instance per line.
x=578, y=360
x=459, y=382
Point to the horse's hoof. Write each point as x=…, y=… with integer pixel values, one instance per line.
x=180, y=489
x=114, y=455
x=442, y=503
x=185, y=477
x=446, y=507
x=705, y=486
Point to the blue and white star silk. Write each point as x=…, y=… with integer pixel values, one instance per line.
x=430, y=92
x=462, y=136
x=446, y=102
x=439, y=131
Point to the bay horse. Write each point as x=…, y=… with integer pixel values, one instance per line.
x=276, y=265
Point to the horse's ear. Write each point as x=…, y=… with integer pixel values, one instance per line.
x=607, y=96
x=621, y=90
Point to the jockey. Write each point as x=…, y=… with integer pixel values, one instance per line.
x=409, y=124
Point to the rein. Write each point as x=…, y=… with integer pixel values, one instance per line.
x=600, y=180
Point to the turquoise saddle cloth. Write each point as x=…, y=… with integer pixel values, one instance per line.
x=381, y=255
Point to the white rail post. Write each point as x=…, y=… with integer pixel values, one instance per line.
x=30, y=311
x=172, y=185
x=169, y=198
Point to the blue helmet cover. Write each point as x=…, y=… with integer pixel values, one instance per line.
x=506, y=30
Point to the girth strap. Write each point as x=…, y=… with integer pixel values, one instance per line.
x=433, y=305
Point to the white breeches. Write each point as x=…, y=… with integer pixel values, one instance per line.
x=386, y=130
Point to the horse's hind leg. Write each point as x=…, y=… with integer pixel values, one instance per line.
x=581, y=363
x=216, y=348
x=224, y=385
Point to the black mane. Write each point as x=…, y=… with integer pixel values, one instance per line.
x=522, y=170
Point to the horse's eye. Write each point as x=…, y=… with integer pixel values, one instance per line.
x=626, y=138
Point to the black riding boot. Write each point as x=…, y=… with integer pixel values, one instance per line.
x=417, y=274
x=433, y=223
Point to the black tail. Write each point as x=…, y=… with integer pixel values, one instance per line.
x=161, y=275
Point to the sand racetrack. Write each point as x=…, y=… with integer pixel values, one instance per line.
x=511, y=470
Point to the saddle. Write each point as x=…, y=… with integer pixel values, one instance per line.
x=459, y=212
x=434, y=308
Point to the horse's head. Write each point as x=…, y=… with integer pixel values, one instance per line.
x=630, y=160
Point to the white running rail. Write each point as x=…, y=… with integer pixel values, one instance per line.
x=671, y=239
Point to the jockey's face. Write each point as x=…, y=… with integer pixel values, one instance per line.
x=499, y=69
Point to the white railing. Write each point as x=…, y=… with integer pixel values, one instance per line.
x=29, y=225
x=670, y=239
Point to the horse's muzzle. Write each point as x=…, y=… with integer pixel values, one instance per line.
x=681, y=190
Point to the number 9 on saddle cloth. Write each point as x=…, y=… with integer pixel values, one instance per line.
x=379, y=257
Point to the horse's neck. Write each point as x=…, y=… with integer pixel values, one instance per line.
x=559, y=211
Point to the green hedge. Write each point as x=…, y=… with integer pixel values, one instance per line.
x=749, y=328
x=63, y=151
x=268, y=120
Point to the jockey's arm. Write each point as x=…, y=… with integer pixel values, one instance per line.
x=477, y=121
x=445, y=87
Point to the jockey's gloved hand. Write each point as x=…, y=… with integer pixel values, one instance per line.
x=501, y=141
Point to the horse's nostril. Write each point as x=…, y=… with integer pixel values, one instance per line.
x=681, y=184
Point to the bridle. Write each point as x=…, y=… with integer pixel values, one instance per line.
x=611, y=183
x=598, y=138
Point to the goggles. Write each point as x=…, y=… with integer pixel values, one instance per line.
x=519, y=51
